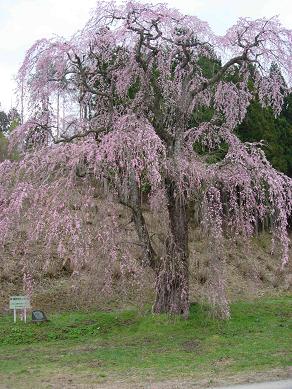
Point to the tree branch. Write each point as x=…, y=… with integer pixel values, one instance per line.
x=218, y=75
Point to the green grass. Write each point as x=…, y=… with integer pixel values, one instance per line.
x=101, y=346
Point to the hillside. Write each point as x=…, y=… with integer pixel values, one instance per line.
x=250, y=271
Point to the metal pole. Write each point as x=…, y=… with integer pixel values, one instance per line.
x=14, y=315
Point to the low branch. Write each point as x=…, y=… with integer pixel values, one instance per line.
x=69, y=139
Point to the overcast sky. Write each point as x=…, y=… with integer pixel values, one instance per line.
x=24, y=21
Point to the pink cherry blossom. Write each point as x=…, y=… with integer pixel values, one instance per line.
x=110, y=114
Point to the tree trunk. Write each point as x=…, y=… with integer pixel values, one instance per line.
x=172, y=283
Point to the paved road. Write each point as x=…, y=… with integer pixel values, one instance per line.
x=287, y=384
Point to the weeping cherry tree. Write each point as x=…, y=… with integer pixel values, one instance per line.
x=112, y=109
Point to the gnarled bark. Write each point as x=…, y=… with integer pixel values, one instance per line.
x=172, y=283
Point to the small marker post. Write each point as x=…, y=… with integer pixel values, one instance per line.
x=14, y=315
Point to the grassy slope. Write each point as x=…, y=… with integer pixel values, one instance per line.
x=100, y=346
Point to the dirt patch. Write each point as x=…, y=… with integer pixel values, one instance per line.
x=8, y=358
x=203, y=382
x=191, y=345
x=222, y=362
x=94, y=364
x=95, y=381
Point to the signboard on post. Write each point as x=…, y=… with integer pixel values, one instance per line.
x=19, y=302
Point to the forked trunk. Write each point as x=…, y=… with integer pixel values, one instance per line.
x=172, y=283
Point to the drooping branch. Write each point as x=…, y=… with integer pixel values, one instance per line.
x=133, y=79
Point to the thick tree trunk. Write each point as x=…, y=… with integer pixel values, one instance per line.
x=172, y=283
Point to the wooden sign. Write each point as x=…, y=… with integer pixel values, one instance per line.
x=19, y=302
